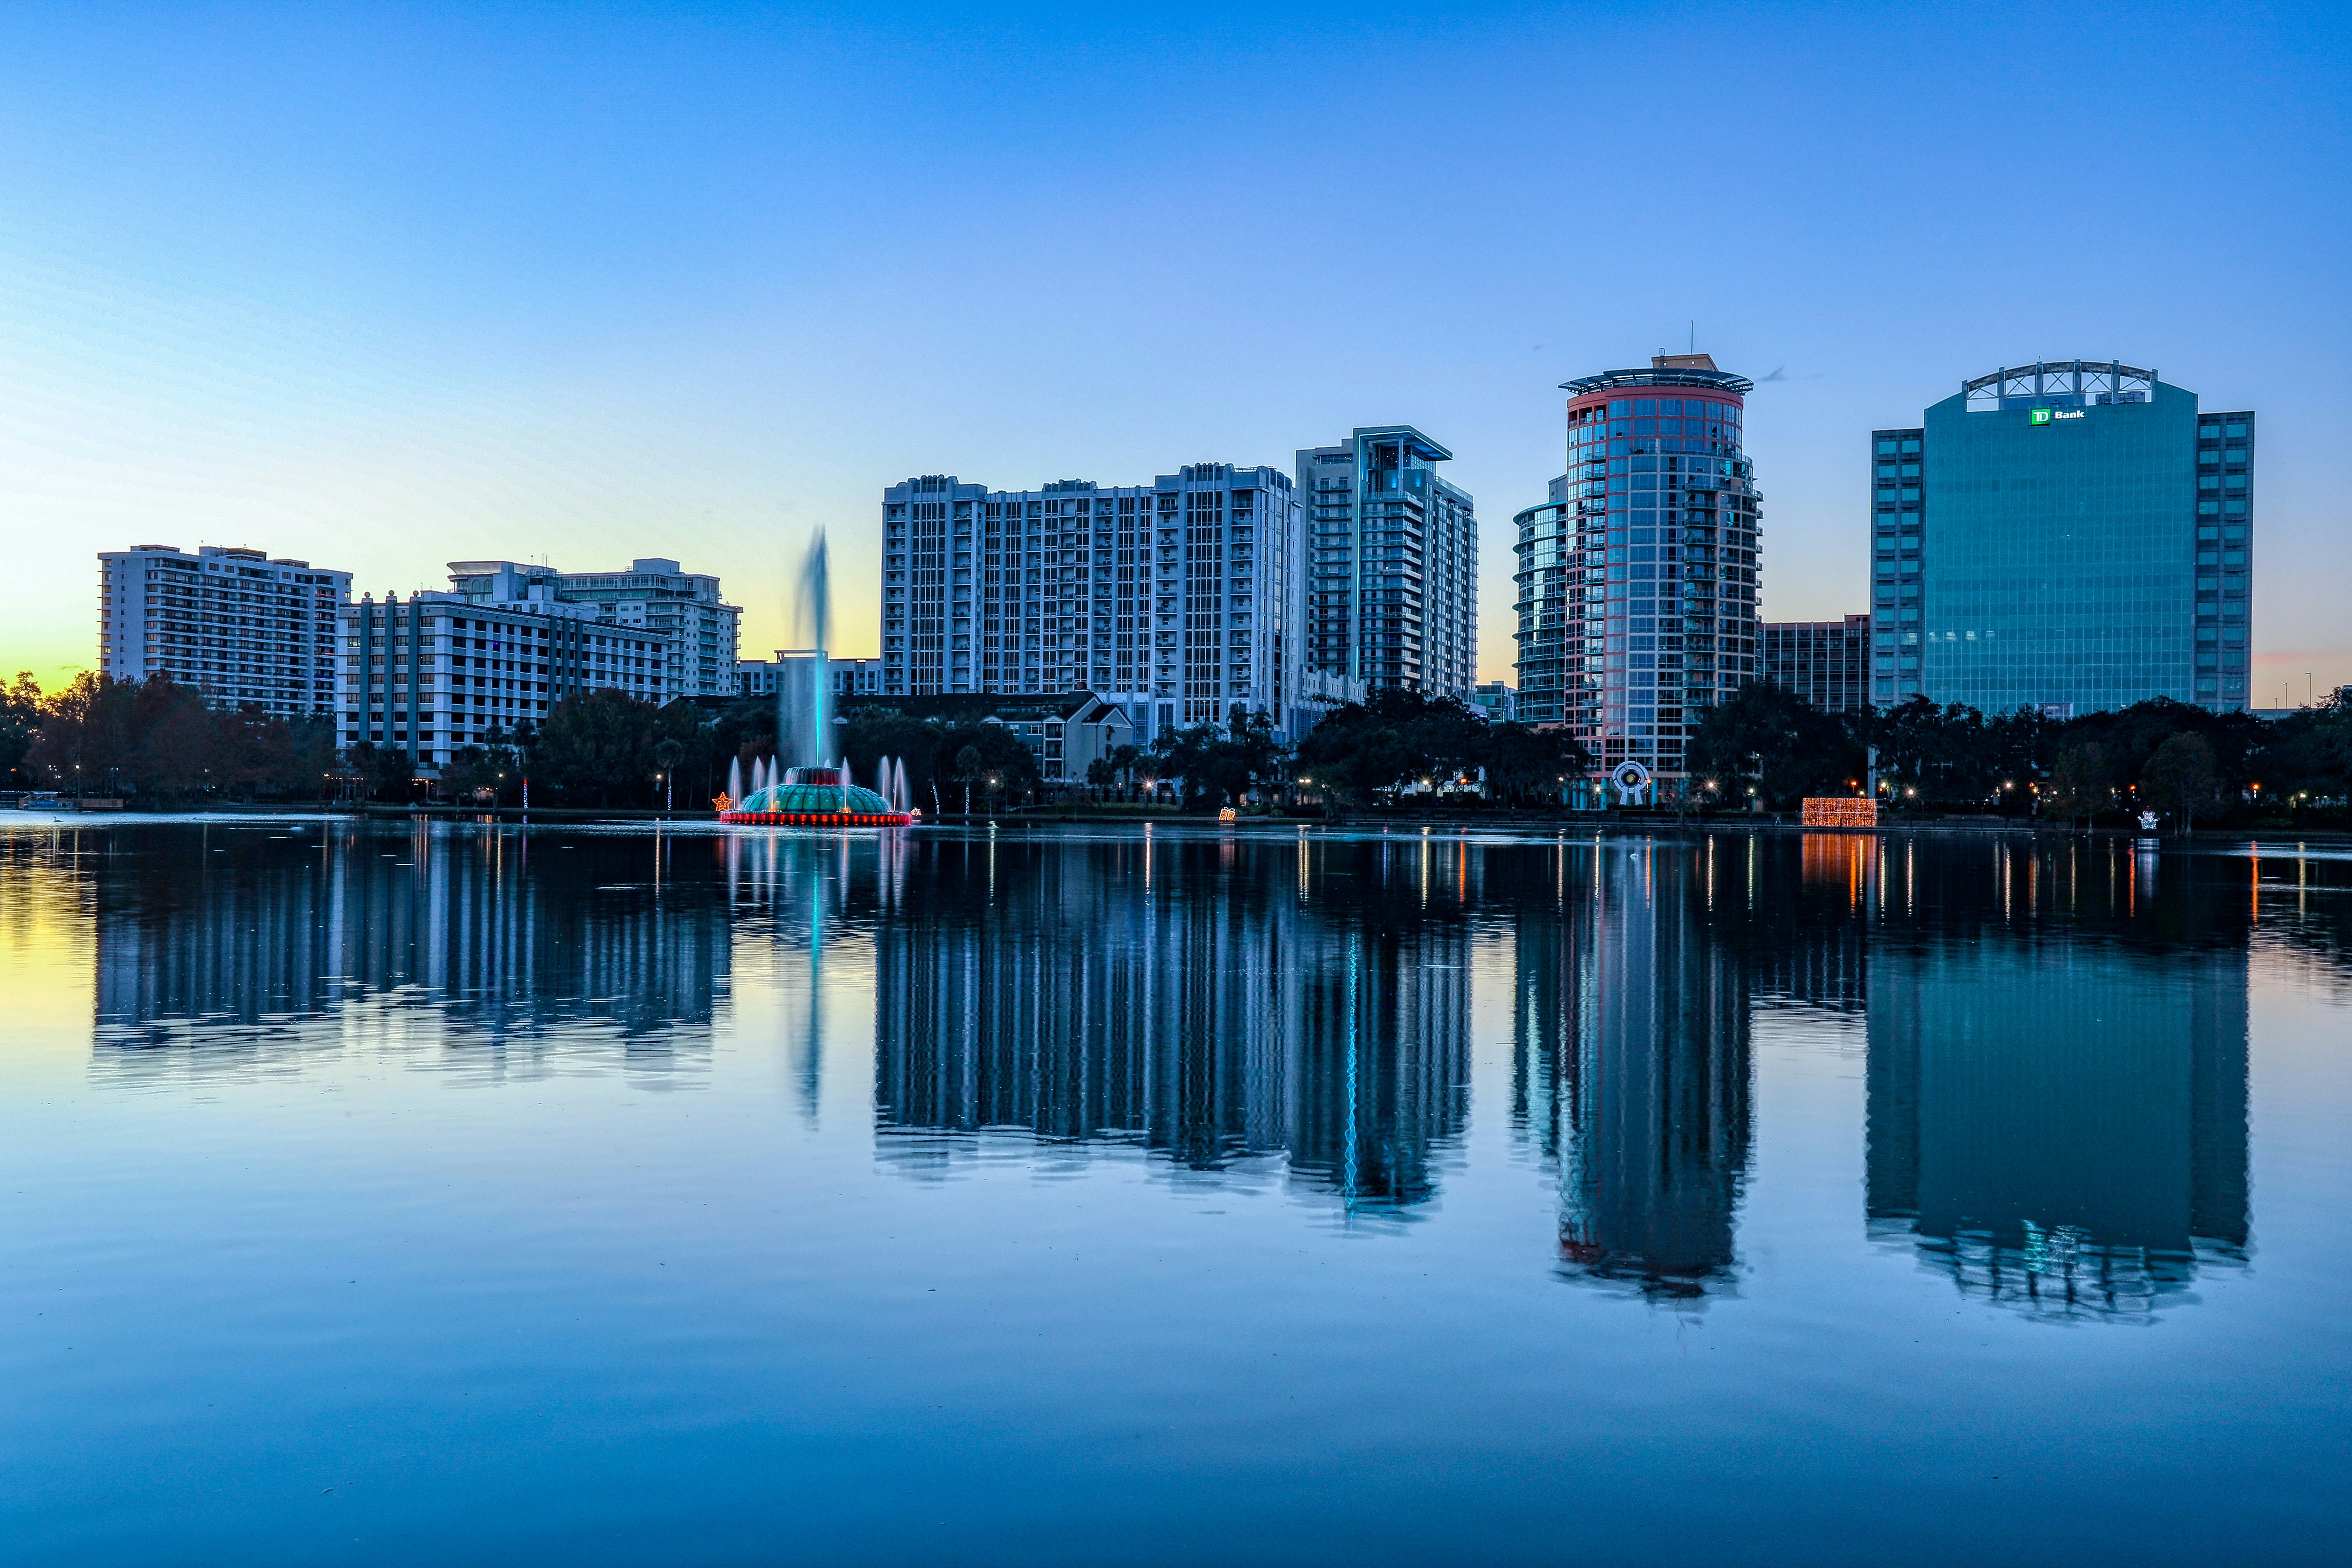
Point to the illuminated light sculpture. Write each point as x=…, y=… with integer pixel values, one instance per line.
x=1841, y=811
x=1632, y=781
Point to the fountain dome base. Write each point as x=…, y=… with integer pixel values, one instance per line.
x=815, y=797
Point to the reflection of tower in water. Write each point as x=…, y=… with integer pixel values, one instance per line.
x=2057, y=1080
x=1633, y=1063
x=1195, y=997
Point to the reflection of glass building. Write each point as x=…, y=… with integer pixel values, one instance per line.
x=2057, y=1116
x=504, y=935
x=1186, y=999
x=1633, y=1032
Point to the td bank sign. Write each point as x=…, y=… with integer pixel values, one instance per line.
x=2044, y=416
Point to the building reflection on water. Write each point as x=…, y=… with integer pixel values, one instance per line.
x=1238, y=1008
x=505, y=938
x=1630, y=1023
x=2056, y=1034
x=2058, y=1072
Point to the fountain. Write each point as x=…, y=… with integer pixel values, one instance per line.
x=803, y=785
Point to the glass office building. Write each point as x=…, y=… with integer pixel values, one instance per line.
x=2070, y=536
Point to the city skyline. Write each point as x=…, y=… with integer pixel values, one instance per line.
x=374, y=292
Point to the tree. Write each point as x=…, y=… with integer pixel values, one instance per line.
x=2080, y=784
x=873, y=733
x=598, y=744
x=1394, y=738
x=2182, y=773
x=20, y=720
x=1524, y=763
x=970, y=753
x=744, y=730
x=1220, y=765
x=2308, y=754
x=1769, y=734
x=495, y=766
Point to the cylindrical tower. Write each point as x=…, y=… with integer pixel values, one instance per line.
x=1662, y=610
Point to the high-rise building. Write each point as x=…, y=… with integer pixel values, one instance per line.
x=1827, y=663
x=1393, y=590
x=684, y=611
x=1544, y=540
x=243, y=629
x=2070, y=536
x=446, y=670
x=1663, y=621
x=1177, y=600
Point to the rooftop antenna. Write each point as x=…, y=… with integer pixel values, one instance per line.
x=1694, y=346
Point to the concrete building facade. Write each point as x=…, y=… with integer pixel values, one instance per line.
x=685, y=611
x=1177, y=600
x=242, y=627
x=1392, y=589
x=1827, y=663
x=443, y=670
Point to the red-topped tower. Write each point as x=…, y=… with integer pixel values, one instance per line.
x=1661, y=618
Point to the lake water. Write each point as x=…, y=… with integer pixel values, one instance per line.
x=473, y=1194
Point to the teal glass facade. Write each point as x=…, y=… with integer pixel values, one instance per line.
x=2047, y=546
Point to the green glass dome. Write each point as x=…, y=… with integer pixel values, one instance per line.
x=808, y=797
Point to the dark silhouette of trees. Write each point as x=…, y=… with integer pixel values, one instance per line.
x=973, y=753
x=1400, y=738
x=1219, y=764
x=2181, y=776
x=1785, y=746
x=596, y=745
x=20, y=720
x=2307, y=755
x=157, y=741
x=2080, y=782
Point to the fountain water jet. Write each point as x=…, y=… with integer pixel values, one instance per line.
x=804, y=786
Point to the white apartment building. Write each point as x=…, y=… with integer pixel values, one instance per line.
x=1392, y=597
x=685, y=609
x=850, y=677
x=446, y=670
x=242, y=627
x=1177, y=600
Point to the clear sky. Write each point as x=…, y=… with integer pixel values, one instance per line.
x=384, y=286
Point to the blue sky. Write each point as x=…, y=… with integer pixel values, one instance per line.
x=388, y=286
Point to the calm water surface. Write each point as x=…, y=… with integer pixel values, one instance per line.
x=471, y=1194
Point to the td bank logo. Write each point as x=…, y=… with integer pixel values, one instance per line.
x=2044, y=416
x=2041, y=416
